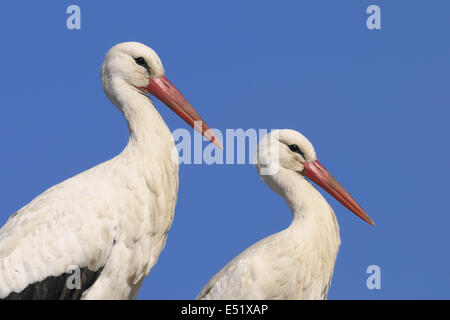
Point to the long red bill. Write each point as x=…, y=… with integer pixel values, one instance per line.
x=165, y=91
x=317, y=173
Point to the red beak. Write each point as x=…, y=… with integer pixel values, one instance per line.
x=162, y=89
x=317, y=173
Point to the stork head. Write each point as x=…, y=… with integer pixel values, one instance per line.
x=289, y=151
x=139, y=67
x=133, y=62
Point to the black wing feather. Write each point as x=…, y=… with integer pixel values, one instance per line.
x=55, y=288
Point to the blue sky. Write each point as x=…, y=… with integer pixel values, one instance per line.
x=375, y=104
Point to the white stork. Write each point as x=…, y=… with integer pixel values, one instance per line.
x=298, y=262
x=110, y=222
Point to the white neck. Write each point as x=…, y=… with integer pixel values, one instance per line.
x=148, y=131
x=306, y=202
x=311, y=241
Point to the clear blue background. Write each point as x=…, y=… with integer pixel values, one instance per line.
x=374, y=103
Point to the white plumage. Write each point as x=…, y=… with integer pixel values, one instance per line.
x=298, y=262
x=113, y=219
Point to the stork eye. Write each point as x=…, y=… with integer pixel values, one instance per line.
x=296, y=149
x=141, y=61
